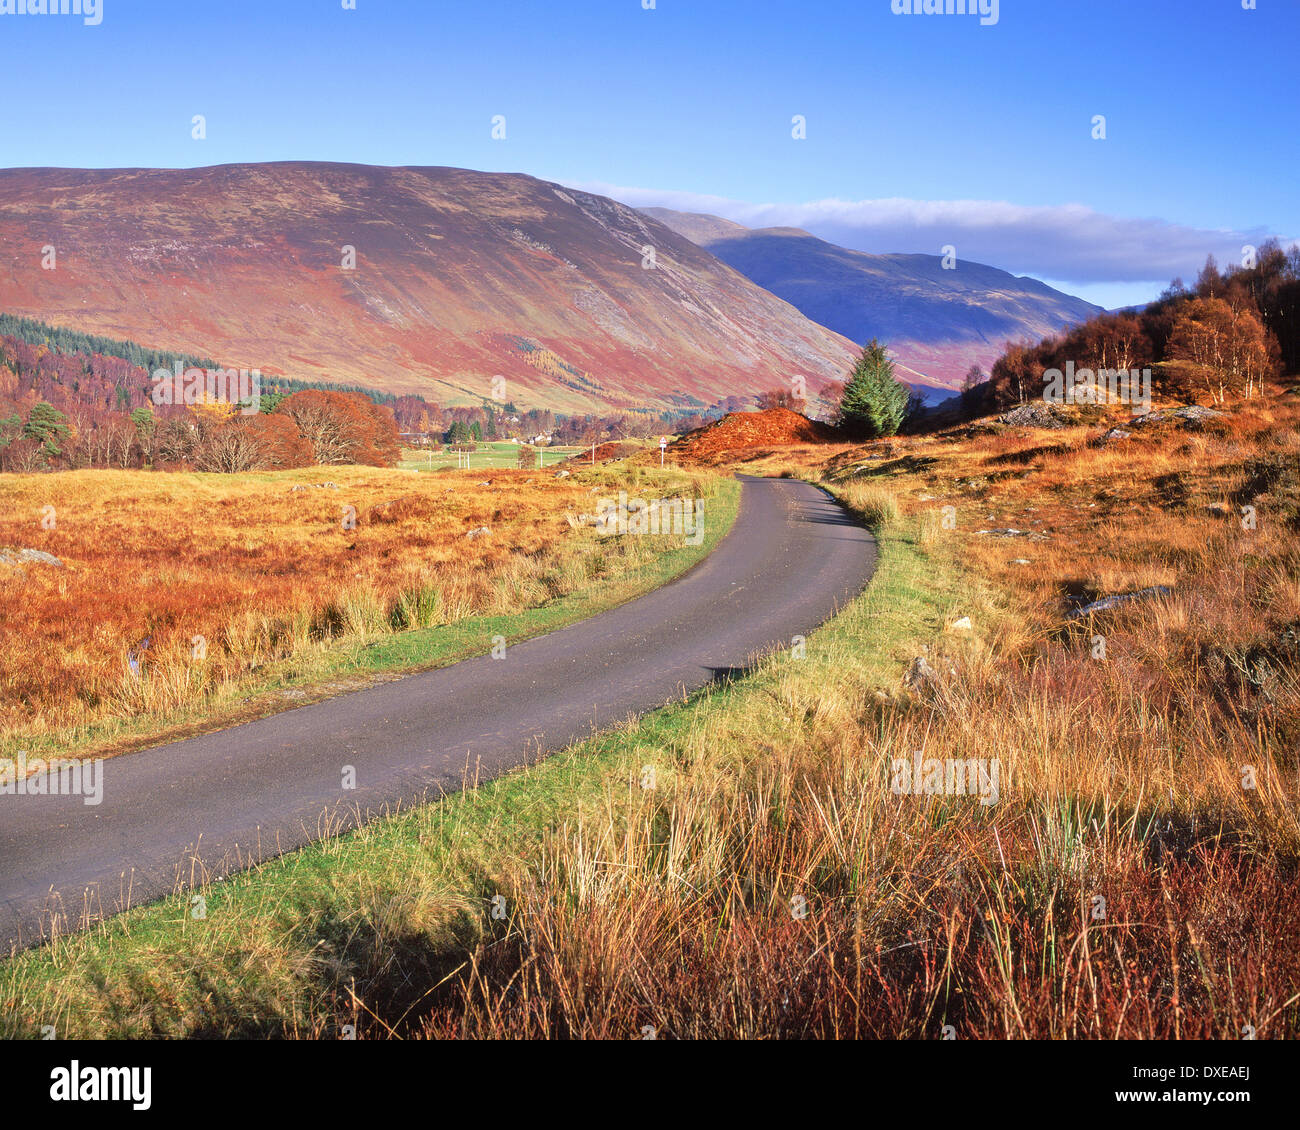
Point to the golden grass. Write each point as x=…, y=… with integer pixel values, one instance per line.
x=178, y=587
x=1128, y=883
x=765, y=881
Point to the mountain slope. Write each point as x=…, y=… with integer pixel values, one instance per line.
x=459, y=276
x=937, y=322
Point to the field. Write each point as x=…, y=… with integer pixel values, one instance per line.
x=489, y=457
x=1134, y=879
x=185, y=598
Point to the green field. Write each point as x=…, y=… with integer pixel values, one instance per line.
x=489, y=456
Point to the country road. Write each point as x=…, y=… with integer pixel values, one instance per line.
x=245, y=794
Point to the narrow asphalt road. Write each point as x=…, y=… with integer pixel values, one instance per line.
x=242, y=795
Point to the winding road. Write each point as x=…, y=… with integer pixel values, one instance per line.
x=238, y=796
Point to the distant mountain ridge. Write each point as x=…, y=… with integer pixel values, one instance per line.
x=459, y=277
x=936, y=322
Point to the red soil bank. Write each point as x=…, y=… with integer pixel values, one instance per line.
x=775, y=427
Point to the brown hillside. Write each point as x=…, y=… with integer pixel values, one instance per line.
x=459, y=276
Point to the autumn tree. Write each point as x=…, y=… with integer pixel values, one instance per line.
x=279, y=442
x=970, y=389
x=1219, y=349
x=1015, y=373
x=173, y=441
x=344, y=427
x=828, y=402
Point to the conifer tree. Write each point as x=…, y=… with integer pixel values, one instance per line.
x=875, y=401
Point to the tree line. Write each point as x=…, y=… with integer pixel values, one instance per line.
x=306, y=428
x=1222, y=337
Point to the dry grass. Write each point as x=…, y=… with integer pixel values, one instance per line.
x=765, y=880
x=179, y=589
x=1126, y=884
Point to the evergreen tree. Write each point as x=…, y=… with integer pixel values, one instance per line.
x=874, y=402
x=11, y=427
x=143, y=419
x=46, y=424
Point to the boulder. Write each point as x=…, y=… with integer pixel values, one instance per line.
x=1187, y=414
x=1035, y=414
x=17, y=558
x=1109, y=602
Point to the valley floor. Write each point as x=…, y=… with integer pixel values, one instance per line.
x=779, y=857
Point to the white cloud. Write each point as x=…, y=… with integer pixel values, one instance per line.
x=1067, y=242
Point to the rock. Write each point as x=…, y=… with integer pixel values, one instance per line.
x=920, y=676
x=561, y=474
x=962, y=625
x=1109, y=602
x=1032, y=535
x=1114, y=434
x=1187, y=414
x=1021, y=561
x=481, y=531
x=20, y=557
x=1035, y=414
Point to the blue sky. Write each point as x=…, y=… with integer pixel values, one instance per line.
x=975, y=136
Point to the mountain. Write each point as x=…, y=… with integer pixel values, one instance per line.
x=936, y=322
x=459, y=277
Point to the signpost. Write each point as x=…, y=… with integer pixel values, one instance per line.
x=663, y=446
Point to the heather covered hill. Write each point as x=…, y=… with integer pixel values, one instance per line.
x=459, y=276
x=936, y=322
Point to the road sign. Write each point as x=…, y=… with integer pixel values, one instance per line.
x=663, y=442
